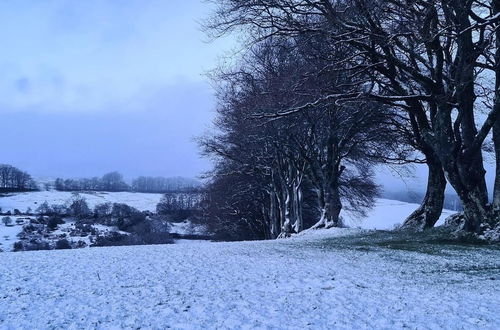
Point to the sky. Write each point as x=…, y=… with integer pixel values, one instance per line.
x=93, y=86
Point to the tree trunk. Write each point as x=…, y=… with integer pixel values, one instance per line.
x=286, y=227
x=475, y=210
x=496, y=127
x=331, y=208
x=428, y=213
x=496, y=140
x=454, y=140
x=274, y=215
x=298, y=225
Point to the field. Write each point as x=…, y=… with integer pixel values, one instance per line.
x=21, y=201
x=336, y=278
x=339, y=278
x=32, y=200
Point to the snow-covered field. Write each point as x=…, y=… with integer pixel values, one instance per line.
x=313, y=281
x=8, y=236
x=21, y=201
x=387, y=214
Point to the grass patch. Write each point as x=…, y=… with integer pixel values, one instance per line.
x=436, y=241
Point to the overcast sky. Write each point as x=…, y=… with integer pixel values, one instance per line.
x=92, y=86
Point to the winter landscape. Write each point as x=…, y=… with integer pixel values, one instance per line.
x=264, y=164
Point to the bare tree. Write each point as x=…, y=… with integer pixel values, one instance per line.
x=421, y=56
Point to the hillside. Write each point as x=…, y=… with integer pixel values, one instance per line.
x=21, y=201
x=327, y=279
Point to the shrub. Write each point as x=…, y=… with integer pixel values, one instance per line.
x=113, y=239
x=63, y=244
x=120, y=210
x=54, y=221
x=81, y=244
x=59, y=209
x=18, y=246
x=44, y=209
x=17, y=212
x=78, y=207
x=155, y=231
x=102, y=210
x=178, y=207
x=7, y=221
x=37, y=245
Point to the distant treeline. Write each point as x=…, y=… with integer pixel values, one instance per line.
x=114, y=182
x=163, y=185
x=13, y=179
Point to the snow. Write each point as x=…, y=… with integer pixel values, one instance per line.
x=187, y=228
x=8, y=235
x=387, y=214
x=307, y=282
x=21, y=201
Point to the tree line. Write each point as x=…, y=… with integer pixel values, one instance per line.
x=325, y=90
x=13, y=179
x=114, y=182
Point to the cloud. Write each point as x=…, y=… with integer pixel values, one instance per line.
x=158, y=140
x=89, y=55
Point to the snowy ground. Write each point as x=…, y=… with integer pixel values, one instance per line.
x=323, y=280
x=387, y=214
x=8, y=236
x=21, y=201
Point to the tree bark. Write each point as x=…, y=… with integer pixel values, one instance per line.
x=274, y=215
x=496, y=127
x=428, y=213
x=496, y=141
x=330, y=205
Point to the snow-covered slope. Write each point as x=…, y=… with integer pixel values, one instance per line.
x=299, y=283
x=387, y=214
x=21, y=201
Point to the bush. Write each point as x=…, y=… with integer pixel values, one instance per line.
x=44, y=209
x=120, y=210
x=59, y=209
x=102, y=210
x=7, y=221
x=78, y=207
x=80, y=244
x=37, y=245
x=18, y=246
x=178, y=207
x=17, y=212
x=84, y=229
x=114, y=239
x=63, y=244
x=155, y=231
x=54, y=221
x=33, y=245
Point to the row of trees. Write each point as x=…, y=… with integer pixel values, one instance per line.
x=150, y=184
x=114, y=181
x=329, y=88
x=13, y=179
